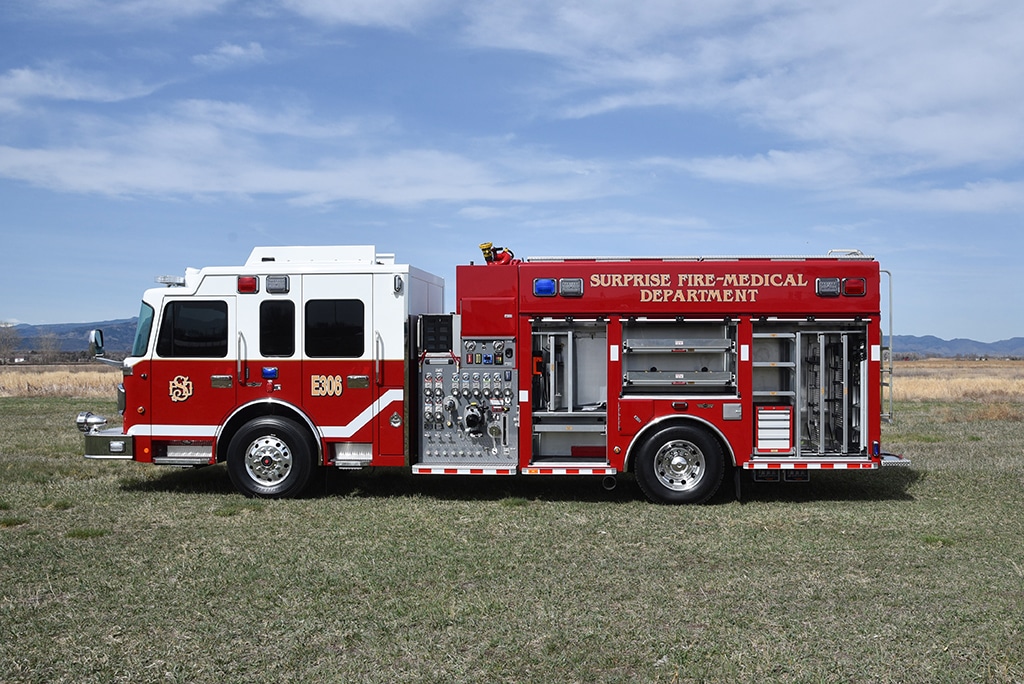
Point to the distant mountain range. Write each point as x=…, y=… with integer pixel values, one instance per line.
x=933, y=346
x=118, y=336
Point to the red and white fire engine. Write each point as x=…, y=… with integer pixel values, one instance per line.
x=678, y=370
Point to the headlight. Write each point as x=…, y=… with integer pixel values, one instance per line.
x=89, y=422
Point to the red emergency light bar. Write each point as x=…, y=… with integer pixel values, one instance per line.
x=248, y=284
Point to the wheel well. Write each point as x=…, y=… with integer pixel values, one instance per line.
x=257, y=410
x=657, y=426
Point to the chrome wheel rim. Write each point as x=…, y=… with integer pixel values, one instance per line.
x=268, y=460
x=679, y=465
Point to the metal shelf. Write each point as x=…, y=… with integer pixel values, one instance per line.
x=677, y=346
x=673, y=378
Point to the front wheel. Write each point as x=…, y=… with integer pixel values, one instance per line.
x=270, y=457
x=682, y=464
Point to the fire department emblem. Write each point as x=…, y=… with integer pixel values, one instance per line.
x=180, y=388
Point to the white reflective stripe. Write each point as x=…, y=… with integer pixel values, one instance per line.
x=173, y=430
x=333, y=432
x=421, y=469
x=803, y=465
x=363, y=419
x=569, y=470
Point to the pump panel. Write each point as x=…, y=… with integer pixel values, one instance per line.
x=470, y=412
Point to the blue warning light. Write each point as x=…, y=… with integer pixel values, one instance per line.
x=544, y=287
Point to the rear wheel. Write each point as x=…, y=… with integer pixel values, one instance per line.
x=682, y=464
x=271, y=457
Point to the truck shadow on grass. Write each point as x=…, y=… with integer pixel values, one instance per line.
x=887, y=485
x=892, y=484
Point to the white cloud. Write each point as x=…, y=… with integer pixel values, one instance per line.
x=583, y=29
x=400, y=14
x=229, y=55
x=988, y=196
x=209, y=148
x=591, y=229
x=635, y=227
x=936, y=81
x=851, y=97
x=57, y=82
x=836, y=174
x=815, y=169
x=288, y=121
x=480, y=212
x=115, y=11
x=424, y=175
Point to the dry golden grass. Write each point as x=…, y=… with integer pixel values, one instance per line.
x=959, y=380
x=59, y=381
x=950, y=380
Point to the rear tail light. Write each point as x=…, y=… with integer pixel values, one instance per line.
x=855, y=287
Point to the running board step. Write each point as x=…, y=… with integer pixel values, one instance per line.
x=891, y=460
x=350, y=463
x=568, y=468
x=433, y=469
x=811, y=464
x=182, y=460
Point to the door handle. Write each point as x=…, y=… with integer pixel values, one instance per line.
x=378, y=344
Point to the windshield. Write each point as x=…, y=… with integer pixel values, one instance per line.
x=142, y=330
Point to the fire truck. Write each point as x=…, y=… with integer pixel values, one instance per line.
x=680, y=370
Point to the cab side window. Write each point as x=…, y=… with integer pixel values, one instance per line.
x=194, y=330
x=334, y=328
x=277, y=328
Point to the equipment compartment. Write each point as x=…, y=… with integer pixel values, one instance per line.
x=678, y=357
x=570, y=389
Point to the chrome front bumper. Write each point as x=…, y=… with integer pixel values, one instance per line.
x=109, y=444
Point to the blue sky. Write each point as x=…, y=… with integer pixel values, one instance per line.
x=138, y=137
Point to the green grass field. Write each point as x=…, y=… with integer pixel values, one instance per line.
x=115, y=572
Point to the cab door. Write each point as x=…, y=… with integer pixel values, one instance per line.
x=340, y=388
x=192, y=373
x=390, y=322
x=267, y=341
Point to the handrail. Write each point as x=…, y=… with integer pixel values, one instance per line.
x=241, y=343
x=887, y=365
x=379, y=354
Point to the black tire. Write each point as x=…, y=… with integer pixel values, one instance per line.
x=271, y=458
x=682, y=464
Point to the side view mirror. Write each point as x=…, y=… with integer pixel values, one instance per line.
x=96, y=348
x=96, y=343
